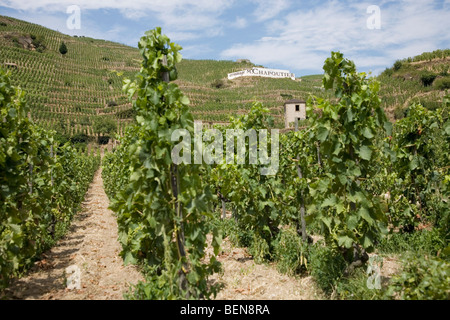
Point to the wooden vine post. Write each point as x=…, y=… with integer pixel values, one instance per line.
x=175, y=178
x=53, y=223
x=224, y=212
x=302, y=196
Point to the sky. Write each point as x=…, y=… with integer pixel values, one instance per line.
x=295, y=35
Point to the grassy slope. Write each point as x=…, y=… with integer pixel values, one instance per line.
x=402, y=86
x=70, y=91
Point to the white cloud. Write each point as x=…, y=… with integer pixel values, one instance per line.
x=145, y=5
x=268, y=9
x=185, y=19
x=133, y=14
x=294, y=34
x=304, y=38
x=240, y=23
x=182, y=14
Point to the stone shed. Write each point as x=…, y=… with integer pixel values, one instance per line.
x=294, y=109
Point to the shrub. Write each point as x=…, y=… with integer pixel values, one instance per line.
x=63, y=48
x=397, y=65
x=327, y=266
x=15, y=40
x=259, y=249
x=399, y=112
x=430, y=105
x=81, y=146
x=61, y=138
x=355, y=288
x=444, y=70
x=79, y=138
x=290, y=252
x=38, y=42
x=427, y=78
x=112, y=104
x=442, y=83
x=230, y=228
x=105, y=125
x=218, y=83
x=388, y=72
x=423, y=278
x=286, y=96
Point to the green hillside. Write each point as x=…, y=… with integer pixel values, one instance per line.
x=68, y=91
x=71, y=92
x=422, y=79
x=214, y=98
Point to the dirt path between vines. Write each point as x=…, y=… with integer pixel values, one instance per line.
x=243, y=279
x=92, y=246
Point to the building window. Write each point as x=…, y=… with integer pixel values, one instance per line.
x=297, y=107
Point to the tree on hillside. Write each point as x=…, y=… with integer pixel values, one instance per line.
x=63, y=48
x=105, y=127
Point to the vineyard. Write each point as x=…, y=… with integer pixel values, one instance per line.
x=423, y=80
x=66, y=92
x=69, y=92
x=351, y=179
x=352, y=189
x=42, y=184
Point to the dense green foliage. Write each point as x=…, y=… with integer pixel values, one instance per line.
x=423, y=278
x=350, y=216
x=348, y=176
x=257, y=199
x=290, y=252
x=427, y=78
x=41, y=185
x=161, y=206
x=358, y=175
x=442, y=83
x=418, y=192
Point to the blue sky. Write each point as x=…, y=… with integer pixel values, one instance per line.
x=284, y=34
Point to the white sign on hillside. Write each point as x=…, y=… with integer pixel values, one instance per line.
x=262, y=72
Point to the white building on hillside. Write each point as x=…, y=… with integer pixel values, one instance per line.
x=294, y=109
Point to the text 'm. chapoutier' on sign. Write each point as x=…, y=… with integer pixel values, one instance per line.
x=262, y=72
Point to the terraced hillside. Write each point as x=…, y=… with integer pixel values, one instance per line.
x=68, y=92
x=71, y=92
x=215, y=98
x=422, y=79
